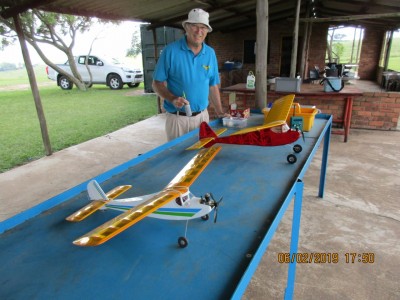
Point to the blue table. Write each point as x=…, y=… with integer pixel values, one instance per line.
x=39, y=260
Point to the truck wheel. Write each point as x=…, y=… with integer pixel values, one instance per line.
x=65, y=83
x=115, y=82
x=133, y=85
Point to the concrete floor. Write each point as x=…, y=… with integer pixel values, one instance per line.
x=360, y=212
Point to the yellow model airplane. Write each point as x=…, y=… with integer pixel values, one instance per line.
x=262, y=135
x=174, y=202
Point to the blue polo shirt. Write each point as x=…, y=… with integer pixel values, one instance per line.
x=187, y=74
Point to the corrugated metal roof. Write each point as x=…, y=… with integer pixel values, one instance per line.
x=225, y=15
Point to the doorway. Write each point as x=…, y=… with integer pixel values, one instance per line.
x=286, y=56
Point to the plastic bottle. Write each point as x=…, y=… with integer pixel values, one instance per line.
x=251, y=81
x=188, y=110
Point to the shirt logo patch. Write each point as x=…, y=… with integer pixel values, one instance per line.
x=206, y=67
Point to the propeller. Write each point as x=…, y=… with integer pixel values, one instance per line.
x=215, y=204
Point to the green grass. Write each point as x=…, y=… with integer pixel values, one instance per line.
x=16, y=77
x=394, y=60
x=72, y=117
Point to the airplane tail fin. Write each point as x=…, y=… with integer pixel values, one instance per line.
x=207, y=136
x=206, y=131
x=95, y=192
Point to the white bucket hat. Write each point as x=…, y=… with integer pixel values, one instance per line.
x=197, y=15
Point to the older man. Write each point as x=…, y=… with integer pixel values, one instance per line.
x=187, y=74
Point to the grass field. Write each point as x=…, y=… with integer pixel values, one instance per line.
x=17, y=77
x=394, y=61
x=72, y=116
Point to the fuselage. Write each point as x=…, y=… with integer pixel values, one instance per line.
x=263, y=137
x=185, y=207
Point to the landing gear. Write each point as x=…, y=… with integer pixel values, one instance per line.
x=297, y=148
x=208, y=199
x=291, y=158
x=183, y=242
x=205, y=217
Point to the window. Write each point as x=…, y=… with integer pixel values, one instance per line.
x=91, y=60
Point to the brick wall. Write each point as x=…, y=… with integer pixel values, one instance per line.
x=370, y=53
x=376, y=111
x=379, y=111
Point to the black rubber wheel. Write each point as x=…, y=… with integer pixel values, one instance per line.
x=205, y=217
x=291, y=158
x=182, y=242
x=297, y=148
x=65, y=83
x=115, y=82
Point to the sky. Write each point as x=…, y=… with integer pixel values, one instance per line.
x=108, y=40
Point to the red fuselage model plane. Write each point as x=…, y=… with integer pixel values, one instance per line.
x=274, y=131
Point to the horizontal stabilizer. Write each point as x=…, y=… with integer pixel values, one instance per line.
x=200, y=144
x=86, y=211
x=119, y=190
x=98, y=200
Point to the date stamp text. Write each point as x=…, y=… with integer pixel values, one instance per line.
x=326, y=257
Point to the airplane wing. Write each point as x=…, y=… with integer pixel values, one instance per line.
x=95, y=205
x=260, y=127
x=276, y=116
x=179, y=185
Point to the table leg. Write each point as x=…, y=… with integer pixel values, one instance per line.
x=324, y=163
x=294, y=240
x=347, y=117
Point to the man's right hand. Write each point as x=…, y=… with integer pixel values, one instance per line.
x=179, y=102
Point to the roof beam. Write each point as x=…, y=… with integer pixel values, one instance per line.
x=213, y=6
x=350, y=18
x=15, y=10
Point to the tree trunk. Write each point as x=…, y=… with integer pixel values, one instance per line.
x=34, y=87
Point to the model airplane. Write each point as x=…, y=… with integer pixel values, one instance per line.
x=174, y=202
x=271, y=133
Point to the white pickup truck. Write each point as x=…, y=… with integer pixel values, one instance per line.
x=108, y=72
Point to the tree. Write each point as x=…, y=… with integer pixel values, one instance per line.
x=136, y=47
x=7, y=35
x=49, y=28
